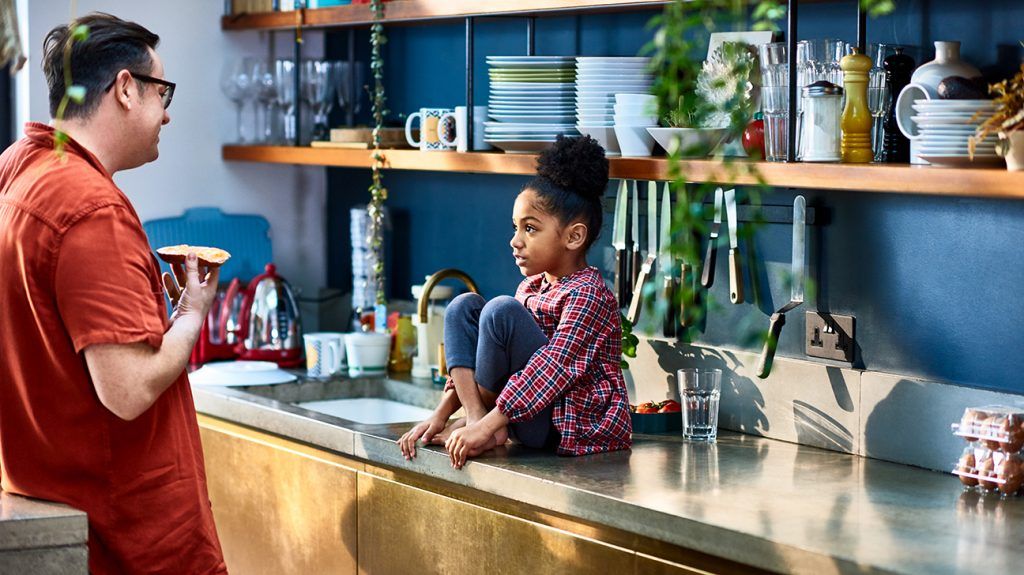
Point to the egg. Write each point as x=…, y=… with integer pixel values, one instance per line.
x=1009, y=470
x=994, y=430
x=968, y=424
x=966, y=465
x=986, y=468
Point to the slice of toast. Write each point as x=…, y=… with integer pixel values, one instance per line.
x=210, y=257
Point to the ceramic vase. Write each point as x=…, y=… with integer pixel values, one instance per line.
x=1011, y=147
x=947, y=63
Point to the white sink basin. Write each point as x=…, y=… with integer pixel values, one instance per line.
x=369, y=410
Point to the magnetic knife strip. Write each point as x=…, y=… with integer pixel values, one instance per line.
x=767, y=214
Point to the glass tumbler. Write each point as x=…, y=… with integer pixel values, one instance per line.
x=700, y=391
x=775, y=105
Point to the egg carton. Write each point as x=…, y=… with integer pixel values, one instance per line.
x=998, y=427
x=989, y=470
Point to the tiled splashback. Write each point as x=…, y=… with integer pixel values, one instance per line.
x=873, y=414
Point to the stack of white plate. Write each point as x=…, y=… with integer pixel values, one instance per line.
x=530, y=101
x=944, y=127
x=598, y=80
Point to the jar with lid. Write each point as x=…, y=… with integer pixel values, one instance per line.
x=822, y=104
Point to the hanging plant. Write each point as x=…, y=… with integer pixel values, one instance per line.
x=378, y=193
x=687, y=96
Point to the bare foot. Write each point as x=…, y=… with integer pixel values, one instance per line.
x=441, y=437
x=501, y=436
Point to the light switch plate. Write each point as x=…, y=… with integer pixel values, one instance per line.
x=830, y=336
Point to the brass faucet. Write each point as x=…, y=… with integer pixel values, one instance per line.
x=433, y=280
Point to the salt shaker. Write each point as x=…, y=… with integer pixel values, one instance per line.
x=898, y=68
x=857, y=120
x=822, y=109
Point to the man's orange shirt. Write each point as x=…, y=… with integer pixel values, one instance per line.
x=76, y=270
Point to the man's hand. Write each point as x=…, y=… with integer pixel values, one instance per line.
x=197, y=295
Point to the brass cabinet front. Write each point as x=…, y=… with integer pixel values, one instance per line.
x=280, y=508
x=404, y=529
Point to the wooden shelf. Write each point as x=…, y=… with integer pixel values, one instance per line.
x=425, y=10
x=262, y=21
x=964, y=182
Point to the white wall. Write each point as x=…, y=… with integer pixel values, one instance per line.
x=190, y=171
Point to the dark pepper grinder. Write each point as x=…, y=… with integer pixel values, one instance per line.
x=898, y=69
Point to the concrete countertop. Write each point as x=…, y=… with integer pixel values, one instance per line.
x=775, y=505
x=27, y=523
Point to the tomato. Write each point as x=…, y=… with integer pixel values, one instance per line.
x=670, y=406
x=753, y=138
x=647, y=407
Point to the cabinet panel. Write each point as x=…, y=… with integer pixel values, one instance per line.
x=403, y=529
x=280, y=508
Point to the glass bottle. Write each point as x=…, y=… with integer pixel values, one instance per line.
x=822, y=109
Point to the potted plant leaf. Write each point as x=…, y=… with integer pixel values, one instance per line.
x=1007, y=122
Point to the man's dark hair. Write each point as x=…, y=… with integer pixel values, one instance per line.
x=113, y=45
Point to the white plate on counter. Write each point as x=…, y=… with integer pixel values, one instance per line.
x=240, y=374
x=529, y=119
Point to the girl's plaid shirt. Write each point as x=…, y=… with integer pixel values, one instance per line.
x=578, y=370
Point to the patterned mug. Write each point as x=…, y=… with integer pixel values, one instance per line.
x=325, y=353
x=429, y=124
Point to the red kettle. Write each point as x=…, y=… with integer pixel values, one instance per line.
x=271, y=326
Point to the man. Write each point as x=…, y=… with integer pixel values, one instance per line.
x=95, y=405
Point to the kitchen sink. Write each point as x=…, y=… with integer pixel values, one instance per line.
x=368, y=410
x=361, y=400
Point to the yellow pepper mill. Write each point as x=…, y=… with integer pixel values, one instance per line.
x=857, y=120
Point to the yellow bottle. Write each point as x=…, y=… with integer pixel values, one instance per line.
x=857, y=120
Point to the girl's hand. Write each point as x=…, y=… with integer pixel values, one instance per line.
x=425, y=430
x=468, y=442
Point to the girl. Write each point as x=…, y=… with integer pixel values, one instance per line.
x=543, y=366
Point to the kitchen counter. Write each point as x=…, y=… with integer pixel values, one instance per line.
x=41, y=537
x=774, y=505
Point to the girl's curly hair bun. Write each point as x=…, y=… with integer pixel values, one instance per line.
x=577, y=165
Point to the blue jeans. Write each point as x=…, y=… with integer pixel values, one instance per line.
x=496, y=339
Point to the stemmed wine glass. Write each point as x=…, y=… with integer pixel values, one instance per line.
x=265, y=94
x=318, y=93
x=284, y=81
x=236, y=83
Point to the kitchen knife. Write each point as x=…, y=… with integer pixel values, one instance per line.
x=665, y=264
x=796, y=297
x=652, y=219
x=735, y=272
x=619, y=242
x=647, y=269
x=635, y=239
x=707, y=277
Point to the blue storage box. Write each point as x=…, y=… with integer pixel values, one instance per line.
x=245, y=237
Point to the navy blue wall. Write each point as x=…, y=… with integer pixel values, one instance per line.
x=934, y=282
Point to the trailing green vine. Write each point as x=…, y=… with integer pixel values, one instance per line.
x=677, y=49
x=72, y=92
x=378, y=193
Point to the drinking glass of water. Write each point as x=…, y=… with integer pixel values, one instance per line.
x=699, y=392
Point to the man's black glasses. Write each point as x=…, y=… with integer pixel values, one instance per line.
x=165, y=97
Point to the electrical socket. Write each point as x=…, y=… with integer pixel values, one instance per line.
x=829, y=336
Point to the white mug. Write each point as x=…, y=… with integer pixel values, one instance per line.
x=325, y=353
x=429, y=123
x=904, y=112
x=452, y=130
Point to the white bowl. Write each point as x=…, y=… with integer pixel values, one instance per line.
x=692, y=142
x=636, y=99
x=645, y=109
x=635, y=120
x=634, y=141
x=367, y=353
x=605, y=135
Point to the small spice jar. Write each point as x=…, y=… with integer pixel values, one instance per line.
x=822, y=105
